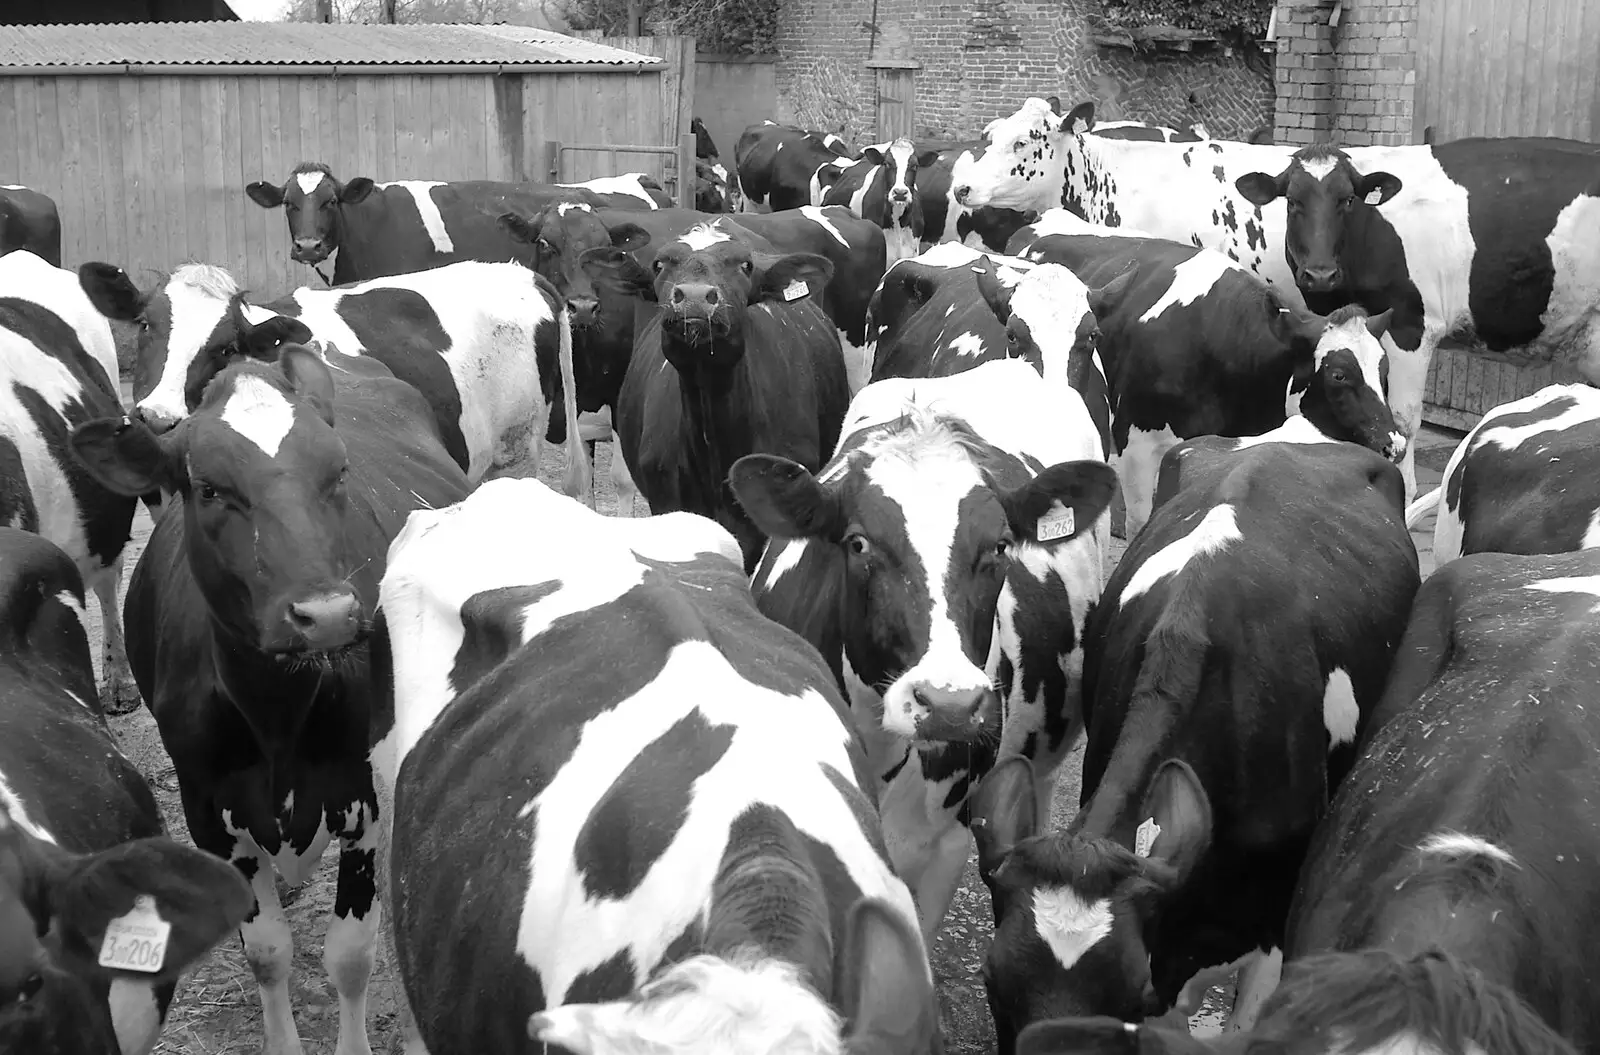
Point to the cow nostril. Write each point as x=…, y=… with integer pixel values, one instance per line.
x=712, y=296
x=962, y=194
x=677, y=295
x=327, y=621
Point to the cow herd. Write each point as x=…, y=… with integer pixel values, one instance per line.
x=708, y=780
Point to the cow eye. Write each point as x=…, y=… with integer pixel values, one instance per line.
x=1349, y=200
x=1002, y=549
x=207, y=492
x=858, y=543
x=1338, y=377
x=657, y=265
x=1011, y=337
x=1020, y=145
x=327, y=203
x=746, y=266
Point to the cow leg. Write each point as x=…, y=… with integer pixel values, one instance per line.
x=1137, y=467
x=352, y=937
x=622, y=480
x=1257, y=979
x=269, y=949
x=119, y=694
x=1408, y=379
x=857, y=362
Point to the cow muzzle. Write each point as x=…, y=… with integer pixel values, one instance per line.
x=1319, y=279
x=584, y=311
x=154, y=419
x=697, y=311
x=323, y=622
x=965, y=714
x=310, y=251
x=900, y=194
x=963, y=195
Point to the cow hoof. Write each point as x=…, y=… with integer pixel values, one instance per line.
x=119, y=697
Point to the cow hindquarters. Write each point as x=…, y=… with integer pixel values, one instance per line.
x=118, y=692
x=352, y=935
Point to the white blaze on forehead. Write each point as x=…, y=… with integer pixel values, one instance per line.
x=1052, y=301
x=899, y=154
x=428, y=209
x=817, y=216
x=1340, y=714
x=309, y=181
x=1191, y=280
x=1353, y=336
x=1457, y=844
x=1068, y=924
x=197, y=296
x=12, y=810
x=1320, y=168
x=258, y=412
x=1216, y=530
x=704, y=236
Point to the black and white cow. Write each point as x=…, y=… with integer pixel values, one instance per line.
x=778, y=165
x=738, y=357
x=1526, y=479
x=1197, y=345
x=691, y=858
x=944, y=563
x=29, y=220
x=81, y=840
x=1140, y=130
x=247, y=618
x=58, y=369
x=881, y=186
x=715, y=189
x=484, y=344
x=946, y=220
x=1490, y=237
x=383, y=229
x=1243, y=638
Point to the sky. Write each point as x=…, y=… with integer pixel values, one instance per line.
x=258, y=10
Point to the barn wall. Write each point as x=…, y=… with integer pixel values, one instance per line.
x=149, y=171
x=733, y=92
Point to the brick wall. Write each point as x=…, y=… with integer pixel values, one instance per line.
x=1354, y=83
x=979, y=59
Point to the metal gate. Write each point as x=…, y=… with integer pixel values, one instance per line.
x=678, y=179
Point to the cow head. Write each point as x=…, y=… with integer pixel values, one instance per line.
x=311, y=198
x=1052, y=318
x=705, y=280
x=559, y=237
x=190, y=327
x=1342, y=387
x=921, y=520
x=1326, y=198
x=262, y=474
x=1071, y=909
x=56, y=908
x=704, y=146
x=712, y=189
x=1021, y=166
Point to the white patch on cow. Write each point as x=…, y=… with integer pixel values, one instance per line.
x=309, y=181
x=1191, y=280
x=704, y=236
x=1575, y=292
x=820, y=217
x=14, y=811
x=1591, y=534
x=421, y=192
x=1068, y=924
x=572, y=206
x=259, y=412
x=198, y=296
x=1320, y=169
x=1138, y=466
x=706, y=1004
x=900, y=243
x=32, y=278
x=1064, y=221
x=628, y=183
x=1259, y=976
x=1457, y=844
x=76, y=608
x=966, y=344
x=135, y=1015
x=785, y=560
x=1340, y=715
x=12, y=186
x=1586, y=584
x=1215, y=531
x=1053, y=302
x=1585, y=408
x=1296, y=429
x=1353, y=336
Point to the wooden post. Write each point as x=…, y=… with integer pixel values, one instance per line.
x=552, y=161
x=686, y=145
x=635, y=18
x=386, y=11
x=324, y=10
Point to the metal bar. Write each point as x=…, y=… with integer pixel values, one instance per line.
x=285, y=69
x=628, y=148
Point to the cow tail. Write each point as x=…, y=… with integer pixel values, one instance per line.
x=1422, y=507
x=580, y=477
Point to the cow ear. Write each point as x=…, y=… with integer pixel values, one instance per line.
x=776, y=279
x=620, y=271
x=1004, y=812
x=1081, y=119
x=263, y=340
x=828, y=175
x=355, y=192
x=1258, y=188
x=784, y=500
x=927, y=159
x=1060, y=503
x=1378, y=325
x=872, y=155
x=126, y=457
x=629, y=237
x=994, y=292
x=1104, y=301
x=888, y=996
x=111, y=291
x=309, y=376
x=521, y=228
x=1375, y=188
x=199, y=896
x=1055, y=104
x=1180, y=811
x=267, y=195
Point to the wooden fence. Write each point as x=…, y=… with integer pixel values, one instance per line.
x=733, y=92
x=149, y=170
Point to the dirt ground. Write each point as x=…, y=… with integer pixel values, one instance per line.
x=218, y=1011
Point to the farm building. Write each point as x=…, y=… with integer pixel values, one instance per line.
x=40, y=12
x=146, y=135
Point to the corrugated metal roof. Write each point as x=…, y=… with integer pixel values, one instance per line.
x=297, y=44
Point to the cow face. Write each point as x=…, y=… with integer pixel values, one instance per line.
x=704, y=281
x=1343, y=388
x=1023, y=156
x=711, y=187
x=923, y=520
x=55, y=910
x=1070, y=910
x=190, y=327
x=262, y=475
x=559, y=237
x=1325, y=197
x=1052, y=318
x=311, y=198
x=704, y=146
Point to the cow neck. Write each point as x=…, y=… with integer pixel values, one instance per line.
x=717, y=405
x=273, y=699
x=355, y=258
x=1118, y=797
